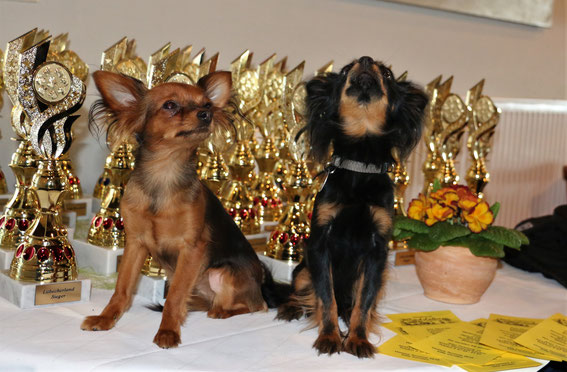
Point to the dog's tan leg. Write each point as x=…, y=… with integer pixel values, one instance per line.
x=189, y=266
x=134, y=256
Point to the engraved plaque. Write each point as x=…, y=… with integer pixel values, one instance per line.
x=405, y=258
x=57, y=293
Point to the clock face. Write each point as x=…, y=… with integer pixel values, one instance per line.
x=52, y=82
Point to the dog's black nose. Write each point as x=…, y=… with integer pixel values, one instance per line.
x=204, y=116
x=366, y=61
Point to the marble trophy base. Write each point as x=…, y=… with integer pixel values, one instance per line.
x=6, y=257
x=281, y=270
x=152, y=288
x=104, y=261
x=29, y=295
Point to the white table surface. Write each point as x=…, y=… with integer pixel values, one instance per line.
x=50, y=339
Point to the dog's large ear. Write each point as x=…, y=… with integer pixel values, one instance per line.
x=122, y=103
x=407, y=117
x=322, y=101
x=217, y=87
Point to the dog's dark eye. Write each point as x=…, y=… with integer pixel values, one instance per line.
x=170, y=105
x=208, y=105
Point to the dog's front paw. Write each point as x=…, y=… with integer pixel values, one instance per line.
x=97, y=323
x=328, y=343
x=289, y=312
x=359, y=347
x=166, y=338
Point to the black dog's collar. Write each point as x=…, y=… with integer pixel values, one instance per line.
x=360, y=167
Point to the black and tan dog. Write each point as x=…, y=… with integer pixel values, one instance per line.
x=169, y=213
x=365, y=114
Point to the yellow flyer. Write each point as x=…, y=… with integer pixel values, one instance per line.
x=400, y=347
x=548, y=337
x=505, y=362
x=501, y=330
x=459, y=345
x=417, y=326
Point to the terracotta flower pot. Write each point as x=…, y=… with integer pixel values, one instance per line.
x=454, y=275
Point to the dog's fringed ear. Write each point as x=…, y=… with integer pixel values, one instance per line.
x=322, y=101
x=407, y=117
x=121, y=108
x=217, y=87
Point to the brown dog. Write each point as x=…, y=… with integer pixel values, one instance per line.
x=169, y=213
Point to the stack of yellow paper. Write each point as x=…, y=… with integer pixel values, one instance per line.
x=494, y=344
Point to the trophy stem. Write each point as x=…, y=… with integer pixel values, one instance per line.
x=23, y=206
x=45, y=254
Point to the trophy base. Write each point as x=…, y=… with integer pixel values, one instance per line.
x=4, y=199
x=152, y=288
x=6, y=257
x=83, y=207
x=29, y=295
x=103, y=261
x=281, y=270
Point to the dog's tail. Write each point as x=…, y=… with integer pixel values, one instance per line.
x=274, y=293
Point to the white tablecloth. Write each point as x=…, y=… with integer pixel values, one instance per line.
x=50, y=338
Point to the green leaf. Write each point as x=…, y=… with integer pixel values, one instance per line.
x=479, y=246
x=444, y=231
x=403, y=234
x=406, y=223
x=495, y=209
x=436, y=185
x=502, y=235
x=422, y=242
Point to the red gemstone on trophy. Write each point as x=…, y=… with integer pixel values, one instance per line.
x=68, y=253
x=71, y=181
x=28, y=253
x=244, y=214
x=119, y=224
x=19, y=250
x=10, y=224
x=294, y=239
x=58, y=254
x=23, y=224
x=283, y=237
x=107, y=224
x=275, y=235
x=42, y=254
x=2, y=221
x=98, y=221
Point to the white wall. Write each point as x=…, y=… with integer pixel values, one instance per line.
x=517, y=61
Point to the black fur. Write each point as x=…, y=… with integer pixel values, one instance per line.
x=350, y=245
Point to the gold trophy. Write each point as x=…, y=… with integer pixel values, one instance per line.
x=23, y=206
x=266, y=191
x=107, y=226
x=288, y=240
x=485, y=117
x=48, y=94
x=453, y=116
x=236, y=194
x=432, y=128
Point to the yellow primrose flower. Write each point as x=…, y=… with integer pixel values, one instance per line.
x=447, y=197
x=417, y=207
x=438, y=213
x=479, y=217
